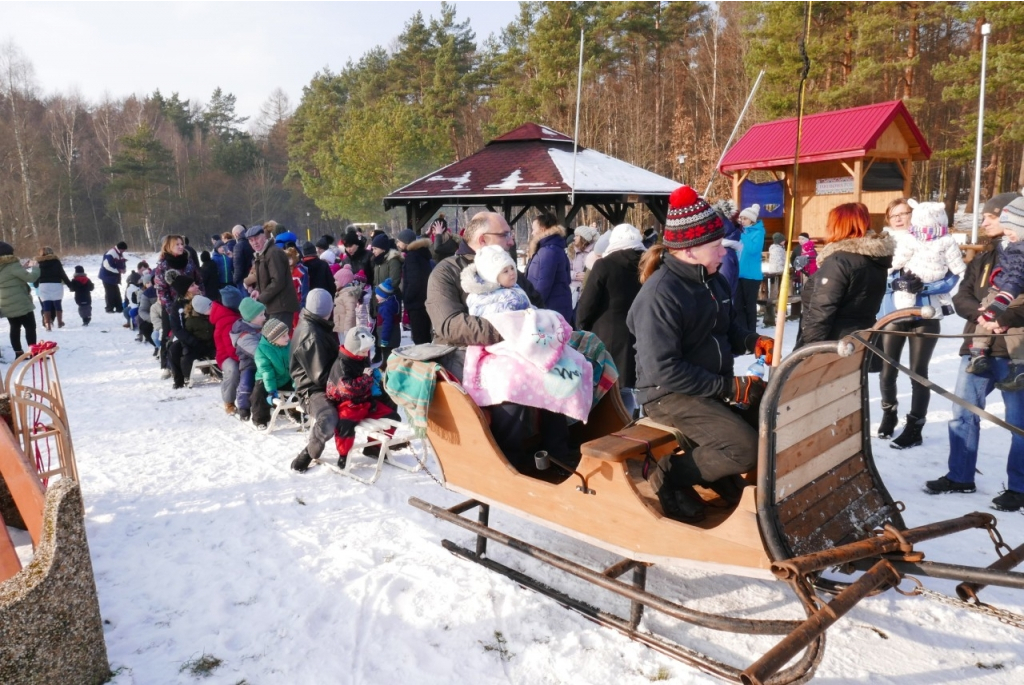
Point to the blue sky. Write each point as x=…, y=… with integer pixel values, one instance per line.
x=246, y=48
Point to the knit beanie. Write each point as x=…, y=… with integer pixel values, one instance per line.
x=778, y=238
x=308, y=249
x=147, y=276
x=490, y=260
x=358, y=341
x=230, y=297
x=928, y=220
x=201, y=304
x=319, y=302
x=351, y=239
x=381, y=241
x=81, y=270
x=250, y=308
x=387, y=288
x=181, y=283
x=751, y=212
x=996, y=203
x=1012, y=217
x=691, y=220
x=343, y=276
x=588, y=233
x=273, y=329
x=359, y=276
x=406, y=235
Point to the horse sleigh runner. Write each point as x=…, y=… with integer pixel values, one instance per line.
x=815, y=503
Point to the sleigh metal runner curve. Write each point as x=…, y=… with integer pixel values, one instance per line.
x=815, y=503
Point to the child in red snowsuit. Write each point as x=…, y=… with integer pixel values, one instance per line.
x=350, y=386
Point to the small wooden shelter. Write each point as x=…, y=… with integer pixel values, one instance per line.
x=533, y=167
x=862, y=154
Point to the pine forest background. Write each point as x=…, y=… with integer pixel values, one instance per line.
x=663, y=85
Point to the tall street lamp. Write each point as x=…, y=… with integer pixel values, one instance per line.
x=986, y=29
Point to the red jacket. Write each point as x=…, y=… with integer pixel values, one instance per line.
x=223, y=319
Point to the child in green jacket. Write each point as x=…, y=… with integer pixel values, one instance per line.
x=273, y=357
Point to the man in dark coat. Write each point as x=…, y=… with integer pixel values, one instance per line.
x=318, y=270
x=241, y=257
x=271, y=277
x=453, y=325
x=415, y=274
x=314, y=351
x=964, y=426
x=113, y=265
x=358, y=256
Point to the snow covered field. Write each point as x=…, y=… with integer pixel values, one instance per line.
x=204, y=543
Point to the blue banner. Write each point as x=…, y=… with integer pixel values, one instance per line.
x=769, y=195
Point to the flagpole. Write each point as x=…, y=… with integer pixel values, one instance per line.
x=576, y=132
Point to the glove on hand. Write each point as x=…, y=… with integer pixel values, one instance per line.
x=999, y=304
x=764, y=347
x=271, y=397
x=908, y=283
x=744, y=391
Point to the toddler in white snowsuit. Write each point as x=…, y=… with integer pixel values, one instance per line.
x=490, y=284
x=927, y=250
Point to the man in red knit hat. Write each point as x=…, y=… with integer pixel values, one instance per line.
x=686, y=335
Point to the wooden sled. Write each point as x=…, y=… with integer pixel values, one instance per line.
x=816, y=502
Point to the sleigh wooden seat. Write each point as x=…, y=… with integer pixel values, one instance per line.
x=629, y=443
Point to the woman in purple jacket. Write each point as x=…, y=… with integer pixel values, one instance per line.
x=548, y=265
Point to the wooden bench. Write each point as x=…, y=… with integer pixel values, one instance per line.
x=629, y=443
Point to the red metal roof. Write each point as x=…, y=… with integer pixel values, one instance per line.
x=843, y=134
x=533, y=160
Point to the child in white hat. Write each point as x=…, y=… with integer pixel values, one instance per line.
x=491, y=284
x=926, y=250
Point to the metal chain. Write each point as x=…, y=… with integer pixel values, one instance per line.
x=423, y=462
x=1001, y=615
x=997, y=539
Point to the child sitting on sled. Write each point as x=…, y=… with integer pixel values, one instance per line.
x=350, y=387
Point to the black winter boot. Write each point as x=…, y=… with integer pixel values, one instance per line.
x=301, y=463
x=1014, y=380
x=678, y=498
x=889, y=420
x=911, y=435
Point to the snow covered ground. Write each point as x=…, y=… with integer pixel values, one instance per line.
x=205, y=544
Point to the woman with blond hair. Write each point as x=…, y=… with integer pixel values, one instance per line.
x=844, y=294
x=52, y=279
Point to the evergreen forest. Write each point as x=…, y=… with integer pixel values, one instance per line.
x=663, y=85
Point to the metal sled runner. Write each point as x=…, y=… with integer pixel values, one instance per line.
x=815, y=503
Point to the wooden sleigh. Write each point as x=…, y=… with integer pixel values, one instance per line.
x=816, y=502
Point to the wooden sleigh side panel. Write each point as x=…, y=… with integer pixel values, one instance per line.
x=617, y=517
x=817, y=485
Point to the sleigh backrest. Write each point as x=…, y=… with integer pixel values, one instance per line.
x=817, y=482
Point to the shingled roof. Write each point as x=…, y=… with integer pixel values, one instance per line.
x=843, y=134
x=532, y=160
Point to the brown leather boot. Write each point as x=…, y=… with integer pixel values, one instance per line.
x=60, y=319
x=46, y=321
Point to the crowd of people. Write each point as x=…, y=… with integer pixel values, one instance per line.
x=280, y=315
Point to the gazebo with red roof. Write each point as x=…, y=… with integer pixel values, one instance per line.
x=862, y=154
x=532, y=167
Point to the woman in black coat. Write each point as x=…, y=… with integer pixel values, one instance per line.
x=415, y=272
x=846, y=291
x=607, y=295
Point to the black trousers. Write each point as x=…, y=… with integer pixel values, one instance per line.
x=112, y=293
x=419, y=322
x=26, y=321
x=746, y=308
x=726, y=439
x=920, y=356
x=258, y=403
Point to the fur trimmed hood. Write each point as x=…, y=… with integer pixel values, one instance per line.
x=418, y=244
x=472, y=284
x=8, y=259
x=871, y=245
x=47, y=258
x=546, y=233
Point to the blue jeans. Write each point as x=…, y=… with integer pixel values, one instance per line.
x=964, y=431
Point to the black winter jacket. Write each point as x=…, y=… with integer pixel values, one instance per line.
x=314, y=351
x=973, y=288
x=846, y=291
x=607, y=295
x=416, y=273
x=686, y=332
x=320, y=275
x=176, y=316
x=362, y=260
x=446, y=304
x=51, y=271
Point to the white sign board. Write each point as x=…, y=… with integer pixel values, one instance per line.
x=833, y=186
